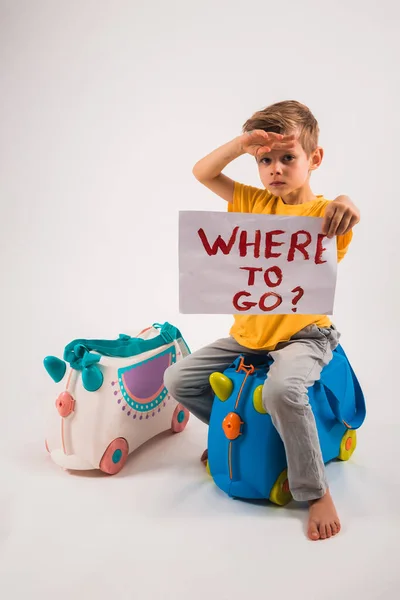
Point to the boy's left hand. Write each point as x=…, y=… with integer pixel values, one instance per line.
x=340, y=217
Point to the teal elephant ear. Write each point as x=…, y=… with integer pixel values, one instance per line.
x=92, y=378
x=55, y=367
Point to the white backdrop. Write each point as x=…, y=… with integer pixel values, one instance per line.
x=104, y=109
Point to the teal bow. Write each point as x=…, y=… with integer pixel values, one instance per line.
x=81, y=359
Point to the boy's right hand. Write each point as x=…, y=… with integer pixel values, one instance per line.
x=258, y=142
x=208, y=170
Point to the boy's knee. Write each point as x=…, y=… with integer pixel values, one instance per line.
x=280, y=395
x=171, y=378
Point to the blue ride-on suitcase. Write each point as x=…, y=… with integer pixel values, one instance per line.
x=246, y=456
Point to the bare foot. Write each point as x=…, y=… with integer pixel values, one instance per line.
x=323, y=521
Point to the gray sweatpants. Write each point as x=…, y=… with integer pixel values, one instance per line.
x=297, y=365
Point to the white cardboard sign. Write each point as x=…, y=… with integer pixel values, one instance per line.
x=254, y=264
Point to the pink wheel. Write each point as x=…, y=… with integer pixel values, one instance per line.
x=115, y=456
x=179, y=419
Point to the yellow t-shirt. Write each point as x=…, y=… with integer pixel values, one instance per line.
x=266, y=331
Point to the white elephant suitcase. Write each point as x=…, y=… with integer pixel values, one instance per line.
x=111, y=398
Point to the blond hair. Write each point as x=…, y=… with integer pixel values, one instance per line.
x=286, y=117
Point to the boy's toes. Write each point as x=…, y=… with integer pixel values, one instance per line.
x=323, y=533
x=335, y=527
x=313, y=532
x=328, y=531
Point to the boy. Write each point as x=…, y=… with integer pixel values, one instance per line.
x=283, y=138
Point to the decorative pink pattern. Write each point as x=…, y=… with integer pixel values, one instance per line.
x=143, y=382
x=131, y=412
